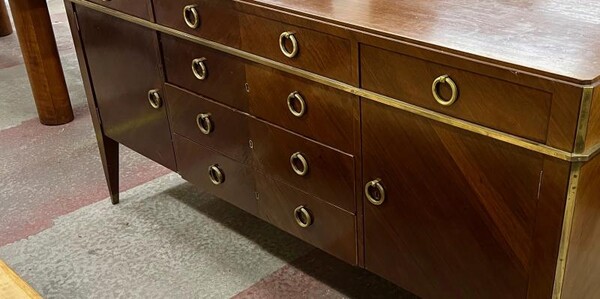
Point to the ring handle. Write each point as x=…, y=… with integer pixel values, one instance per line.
x=216, y=174
x=303, y=217
x=444, y=79
x=191, y=16
x=199, y=68
x=154, y=99
x=288, y=35
x=375, y=198
x=296, y=97
x=204, y=123
x=298, y=157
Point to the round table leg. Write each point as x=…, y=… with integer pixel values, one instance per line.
x=38, y=45
x=5, y=26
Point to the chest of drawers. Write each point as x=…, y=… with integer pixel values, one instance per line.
x=447, y=147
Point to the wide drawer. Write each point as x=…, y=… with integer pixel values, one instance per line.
x=138, y=8
x=310, y=50
x=308, y=218
x=210, y=19
x=205, y=71
x=307, y=165
x=313, y=110
x=209, y=123
x=216, y=174
x=501, y=105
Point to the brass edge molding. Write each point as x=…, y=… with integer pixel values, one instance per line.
x=432, y=115
x=565, y=237
x=584, y=117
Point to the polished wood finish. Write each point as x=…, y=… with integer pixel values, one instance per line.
x=5, y=25
x=592, y=139
x=473, y=197
x=218, y=20
x=481, y=99
x=330, y=172
x=125, y=112
x=222, y=70
x=332, y=230
x=238, y=185
x=230, y=132
x=540, y=45
x=583, y=265
x=325, y=107
x=36, y=38
x=318, y=52
x=139, y=8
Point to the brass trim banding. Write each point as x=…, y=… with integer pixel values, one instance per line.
x=439, y=117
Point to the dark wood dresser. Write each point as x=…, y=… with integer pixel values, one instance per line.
x=447, y=146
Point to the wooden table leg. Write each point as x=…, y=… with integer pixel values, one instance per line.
x=5, y=25
x=38, y=45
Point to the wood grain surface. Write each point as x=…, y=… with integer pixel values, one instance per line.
x=139, y=8
x=553, y=38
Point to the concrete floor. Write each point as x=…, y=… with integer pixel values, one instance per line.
x=59, y=231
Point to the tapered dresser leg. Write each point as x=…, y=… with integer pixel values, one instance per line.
x=109, y=153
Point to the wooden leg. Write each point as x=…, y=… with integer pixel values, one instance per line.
x=38, y=45
x=5, y=26
x=109, y=153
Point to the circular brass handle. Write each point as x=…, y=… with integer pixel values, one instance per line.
x=288, y=35
x=375, y=198
x=445, y=79
x=204, y=123
x=154, y=99
x=303, y=216
x=216, y=174
x=191, y=16
x=199, y=68
x=298, y=157
x=296, y=97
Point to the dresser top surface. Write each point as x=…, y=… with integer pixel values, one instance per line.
x=559, y=38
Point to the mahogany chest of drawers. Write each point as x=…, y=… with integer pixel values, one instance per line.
x=449, y=147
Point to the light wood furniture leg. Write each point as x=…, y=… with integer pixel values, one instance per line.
x=38, y=45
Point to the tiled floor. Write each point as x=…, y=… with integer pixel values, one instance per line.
x=165, y=239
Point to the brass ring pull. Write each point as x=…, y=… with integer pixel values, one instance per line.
x=204, y=123
x=296, y=97
x=298, y=157
x=191, y=16
x=375, y=192
x=288, y=35
x=445, y=79
x=215, y=174
x=199, y=68
x=154, y=99
x=303, y=217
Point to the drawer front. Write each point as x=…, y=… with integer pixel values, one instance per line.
x=329, y=174
x=217, y=75
x=138, y=8
x=210, y=19
x=235, y=184
x=317, y=52
x=208, y=123
x=322, y=113
x=326, y=227
x=127, y=113
x=493, y=103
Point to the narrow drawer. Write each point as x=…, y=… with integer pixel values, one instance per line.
x=138, y=8
x=308, y=218
x=209, y=123
x=205, y=71
x=310, y=50
x=501, y=105
x=216, y=174
x=209, y=19
x=317, y=169
x=322, y=113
